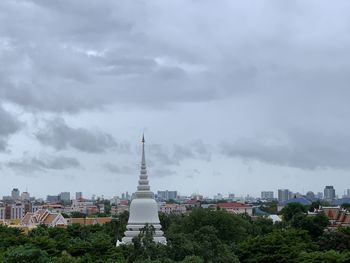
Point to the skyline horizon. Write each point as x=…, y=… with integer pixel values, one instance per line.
x=233, y=97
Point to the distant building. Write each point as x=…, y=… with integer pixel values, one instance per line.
x=2, y=212
x=84, y=206
x=119, y=209
x=65, y=197
x=319, y=196
x=310, y=196
x=348, y=193
x=78, y=195
x=115, y=200
x=15, y=194
x=283, y=195
x=267, y=195
x=52, y=198
x=329, y=193
x=300, y=200
x=7, y=198
x=167, y=195
x=196, y=196
x=173, y=209
x=231, y=196
x=17, y=211
x=25, y=196
x=218, y=197
x=236, y=208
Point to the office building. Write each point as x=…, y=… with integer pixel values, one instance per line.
x=329, y=193
x=65, y=197
x=167, y=195
x=283, y=195
x=267, y=195
x=78, y=195
x=15, y=194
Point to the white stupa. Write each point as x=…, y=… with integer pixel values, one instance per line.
x=143, y=208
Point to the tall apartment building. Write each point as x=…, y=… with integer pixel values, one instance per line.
x=65, y=197
x=52, y=198
x=17, y=211
x=15, y=194
x=167, y=195
x=78, y=195
x=283, y=195
x=267, y=195
x=348, y=193
x=329, y=193
x=25, y=196
x=2, y=212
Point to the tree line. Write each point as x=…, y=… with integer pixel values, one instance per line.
x=203, y=236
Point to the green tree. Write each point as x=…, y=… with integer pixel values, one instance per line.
x=315, y=224
x=335, y=240
x=330, y=256
x=25, y=254
x=281, y=246
x=291, y=210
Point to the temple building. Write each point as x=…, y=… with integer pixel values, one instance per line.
x=143, y=208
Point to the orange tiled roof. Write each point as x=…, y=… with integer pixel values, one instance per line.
x=26, y=218
x=49, y=219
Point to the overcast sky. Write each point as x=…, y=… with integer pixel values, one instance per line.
x=233, y=96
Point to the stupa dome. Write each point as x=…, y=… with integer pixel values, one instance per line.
x=143, y=211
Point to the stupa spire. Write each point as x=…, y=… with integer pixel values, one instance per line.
x=143, y=188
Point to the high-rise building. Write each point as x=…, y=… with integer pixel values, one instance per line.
x=78, y=195
x=167, y=195
x=231, y=196
x=329, y=193
x=310, y=196
x=319, y=195
x=15, y=194
x=267, y=195
x=25, y=196
x=53, y=198
x=348, y=193
x=283, y=195
x=65, y=197
x=143, y=208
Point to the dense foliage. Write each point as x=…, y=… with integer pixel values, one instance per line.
x=200, y=237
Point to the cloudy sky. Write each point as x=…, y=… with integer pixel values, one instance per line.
x=233, y=96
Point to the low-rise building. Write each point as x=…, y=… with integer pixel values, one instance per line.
x=119, y=209
x=236, y=208
x=83, y=206
x=173, y=209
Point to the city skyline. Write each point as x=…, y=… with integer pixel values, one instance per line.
x=228, y=102
x=165, y=193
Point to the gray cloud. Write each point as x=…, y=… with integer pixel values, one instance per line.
x=178, y=153
x=60, y=136
x=163, y=172
x=118, y=169
x=187, y=69
x=9, y=125
x=35, y=164
x=299, y=149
